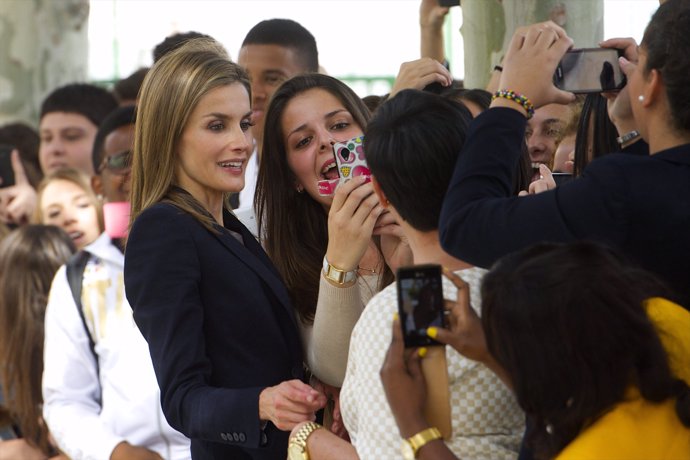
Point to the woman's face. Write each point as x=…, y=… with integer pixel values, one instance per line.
x=66, y=205
x=311, y=122
x=216, y=144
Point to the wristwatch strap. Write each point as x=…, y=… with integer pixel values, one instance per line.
x=337, y=275
x=423, y=437
x=627, y=137
x=300, y=439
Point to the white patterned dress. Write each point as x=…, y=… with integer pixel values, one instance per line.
x=486, y=419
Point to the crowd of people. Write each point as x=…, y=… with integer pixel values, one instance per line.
x=178, y=278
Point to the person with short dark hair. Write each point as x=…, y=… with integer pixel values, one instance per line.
x=70, y=116
x=126, y=90
x=273, y=51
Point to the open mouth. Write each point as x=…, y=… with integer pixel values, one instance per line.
x=75, y=235
x=329, y=171
x=234, y=164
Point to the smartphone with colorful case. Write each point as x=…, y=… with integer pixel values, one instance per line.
x=350, y=162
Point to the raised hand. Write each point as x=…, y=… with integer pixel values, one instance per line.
x=529, y=64
x=18, y=201
x=351, y=220
x=465, y=333
x=618, y=102
x=544, y=183
x=417, y=74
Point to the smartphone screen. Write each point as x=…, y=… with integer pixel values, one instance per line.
x=449, y=2
x=349, y=161
x=589, y=70
x=6, y=171
x=420, y=303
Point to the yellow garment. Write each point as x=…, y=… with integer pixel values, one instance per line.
x=637, y=429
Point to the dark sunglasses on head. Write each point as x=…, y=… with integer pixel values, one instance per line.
x=118, y=163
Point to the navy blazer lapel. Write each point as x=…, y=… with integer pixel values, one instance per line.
x=253, y=255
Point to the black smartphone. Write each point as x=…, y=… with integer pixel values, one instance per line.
x=561, y=178
x=6, y=171
x=420, y=303
x=449, y=3
x=589, y=70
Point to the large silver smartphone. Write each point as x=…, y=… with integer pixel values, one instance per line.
x=589, y=70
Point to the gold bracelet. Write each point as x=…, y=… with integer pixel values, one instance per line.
x=297, y=447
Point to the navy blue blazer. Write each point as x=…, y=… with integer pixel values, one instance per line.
x=635, y=203
x=220, y=329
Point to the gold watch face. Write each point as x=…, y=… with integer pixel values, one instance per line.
x=406, y=449
x=297, y=452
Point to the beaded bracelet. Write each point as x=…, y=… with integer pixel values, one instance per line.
x=515, y=97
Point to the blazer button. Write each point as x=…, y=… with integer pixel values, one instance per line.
x=224, y=436
x=236, y=437
x=242, y=437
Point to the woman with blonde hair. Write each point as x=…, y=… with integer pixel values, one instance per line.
x=65, y=199
x=220, y=327
x=29, y=258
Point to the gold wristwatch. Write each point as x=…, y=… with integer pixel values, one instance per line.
x=336, y=275
x=411, y=446
x=297, y=447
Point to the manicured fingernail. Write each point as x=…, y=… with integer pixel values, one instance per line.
x=432, y=332
x=395, y=316
x=422, y=352
x=445, y=270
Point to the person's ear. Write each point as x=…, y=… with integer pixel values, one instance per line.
x=379, y=193
x=652, y=88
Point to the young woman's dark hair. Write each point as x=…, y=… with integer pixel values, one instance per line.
x=568, y=324
x=666, y=41
x=295, y=226
x=415, y=185
x=596, y=129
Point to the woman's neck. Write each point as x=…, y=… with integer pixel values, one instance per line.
x=662, y=135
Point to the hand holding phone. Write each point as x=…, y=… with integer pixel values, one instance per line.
x=420, y=303
x=589, y=70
